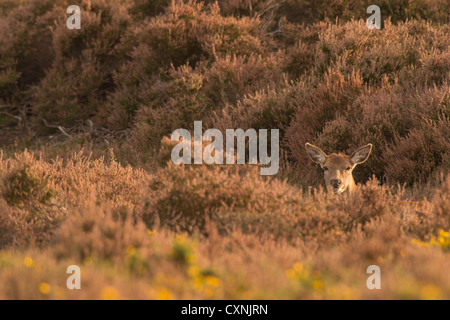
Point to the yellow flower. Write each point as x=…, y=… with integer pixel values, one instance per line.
x=430, y=292
x=181, y=239
x=420, y=243
x=298, y=271
x=164, y=294
x=193, y=271
x=212, y=281
x=190, y=258
x=290, y=273
x=198, y=283
x=110, y=293
x=317, y=285
x=44, y=288
x=131, y=250
x=28, y=262
x=88, y=261
x=298, y=267
x=444, y=234
x=443, y=240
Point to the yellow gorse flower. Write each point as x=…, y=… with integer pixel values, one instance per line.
x=298, y=271
x=44, y=288
x=317, y=285
x=193, y=271
x=201, y=282
x=303, y=275
x=430, y=292
x=28, y=262
x=164, y=294
x=212, y=281
x=442, y=240
x=88, y=261
x=110, y=293
x=131, y=250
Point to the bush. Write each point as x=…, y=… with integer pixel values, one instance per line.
x=186, y=198
x=25, y=183
x=310, y=11
x=186, y=95
x=387, y=115
x=26, y=50
x=313, y=11
x=188, y=40
x=189, y=198
x=354, y=47
x=34, y=212
x=319, y=105
x=148, y=8
x=265, y=109
x=84, y=62
x=423, y=152
x=382, y=117
x=100, y=234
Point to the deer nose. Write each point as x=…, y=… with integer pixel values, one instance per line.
x=335, y=183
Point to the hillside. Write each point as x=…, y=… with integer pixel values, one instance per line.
x=86, y=176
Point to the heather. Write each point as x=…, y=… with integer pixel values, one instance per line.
x=85, y=172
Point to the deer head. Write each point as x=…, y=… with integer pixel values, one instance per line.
x=338, y=168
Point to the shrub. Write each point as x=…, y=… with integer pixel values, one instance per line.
x=98, y=233
x=382, y=117
x=169, y=105
x=104, y=179
x=148, y=8
x=140, y=69
x=187, y=197
x=343, y=47
x=417, y=156
x=34, y=211
x=314, y=109
x=188, y=33
x=265, y=109
x=186, y=46
x=14, y=231
x=84, y=62
x=185, y=95
x=300, y=59
x=26, y=182
x=310, y=11
x=26, y=50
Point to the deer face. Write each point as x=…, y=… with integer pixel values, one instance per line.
x=338, y=168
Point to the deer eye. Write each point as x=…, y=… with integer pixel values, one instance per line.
x=348, y=168
x=325, y=168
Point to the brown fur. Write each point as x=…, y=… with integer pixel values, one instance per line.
x=338, y=168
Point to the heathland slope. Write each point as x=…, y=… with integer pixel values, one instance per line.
x=85, y=178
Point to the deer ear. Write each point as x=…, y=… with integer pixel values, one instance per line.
x=315, y=154
x=361, y=155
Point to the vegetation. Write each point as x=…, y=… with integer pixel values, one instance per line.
x=85, y=117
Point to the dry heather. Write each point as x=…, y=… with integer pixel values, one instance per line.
x=211, y=232
x=85, y=121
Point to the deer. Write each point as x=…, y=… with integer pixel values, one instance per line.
x=338, y=168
